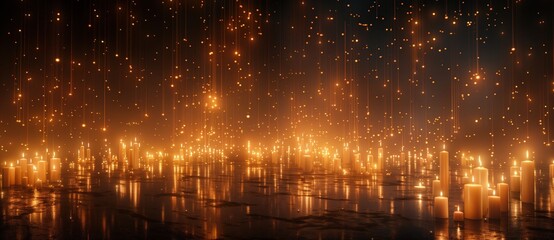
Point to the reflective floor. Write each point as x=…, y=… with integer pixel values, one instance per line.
x=234, y=200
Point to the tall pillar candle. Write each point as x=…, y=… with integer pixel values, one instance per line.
x=55, y=169
x=5, y=176
x=30, y=174
x=444, y=172
x=41, y=170
x=482, y=177
x=441, y=206
x=504, y=194
x=11, y=176
x=436, y=187
x=17, y=175
x=515, y=182
x=527, y=192
x=552, y=174
x=473, y=201
x=23, y=164
x=494, y=207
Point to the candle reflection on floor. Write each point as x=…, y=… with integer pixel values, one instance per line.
x=235, y=199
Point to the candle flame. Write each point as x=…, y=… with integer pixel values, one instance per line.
x=472, y=179
x=441, y=193
x=527, y=154
x=458, y=207
x=494, y=192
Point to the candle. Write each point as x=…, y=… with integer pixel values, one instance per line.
x=444, y=171
x=473, y=201
x=504, y=194
x=458, y=215
x=17, y=175
x=436, y=187
x=11, y=175
x=527, y=191
x=41, y=171
x=494, y=206
x=482, y=177
x=82, y=152
x=308, y=163
x=23, y=165
x=6, y=176
x=441, y=206
x=515, y=182
x=514, y=168
x=380, y=159
x=30, y=174
x=55, y=169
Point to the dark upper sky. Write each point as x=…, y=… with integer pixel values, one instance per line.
x=474, y=73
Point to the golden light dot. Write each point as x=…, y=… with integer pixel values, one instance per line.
x=57, y=60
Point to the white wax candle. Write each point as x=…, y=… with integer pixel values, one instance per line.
x=82, y=153
x=441, y=207
x=356, y=162
x=23, y=164
x=436, y=187
x=380, y=157
x=5, y=177
x=11, y=176
x=41, y=171
x=30, y=174
x=515, y=182
x=482, y=177
x=444, y=172
x=17, y=175
x=55, y=169
x=473, y=201
x=504, y=194
x=494, y=207
x=458, y=215
x=527, y=182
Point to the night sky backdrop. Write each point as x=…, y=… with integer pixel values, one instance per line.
x=473, y=74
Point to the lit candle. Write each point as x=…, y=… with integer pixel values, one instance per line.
x=17, y=175
x=30, y=174
x=380, y=157
x=88, y=155
x=494, y=206
x=527, y=191
x=444, y=171
x=482, y=177
x=5, y=176
x=473, y=201
x=82, y=152
x=504, y=194
x=11, y=175
x=41, y=170
x=308, y=163
x=23, y=163
x=441, y=206
x=458, y=215
x=514, y=168
x=436, y=187
x=515, y=182
x=55, y=169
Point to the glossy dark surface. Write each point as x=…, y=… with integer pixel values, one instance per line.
x=234, y=200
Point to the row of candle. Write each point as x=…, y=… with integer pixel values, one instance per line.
x=27, y=173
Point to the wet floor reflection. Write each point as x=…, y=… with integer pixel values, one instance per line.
x=235, y=200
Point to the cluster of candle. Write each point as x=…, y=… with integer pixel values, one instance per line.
x=32, y=172
x=480, y=200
